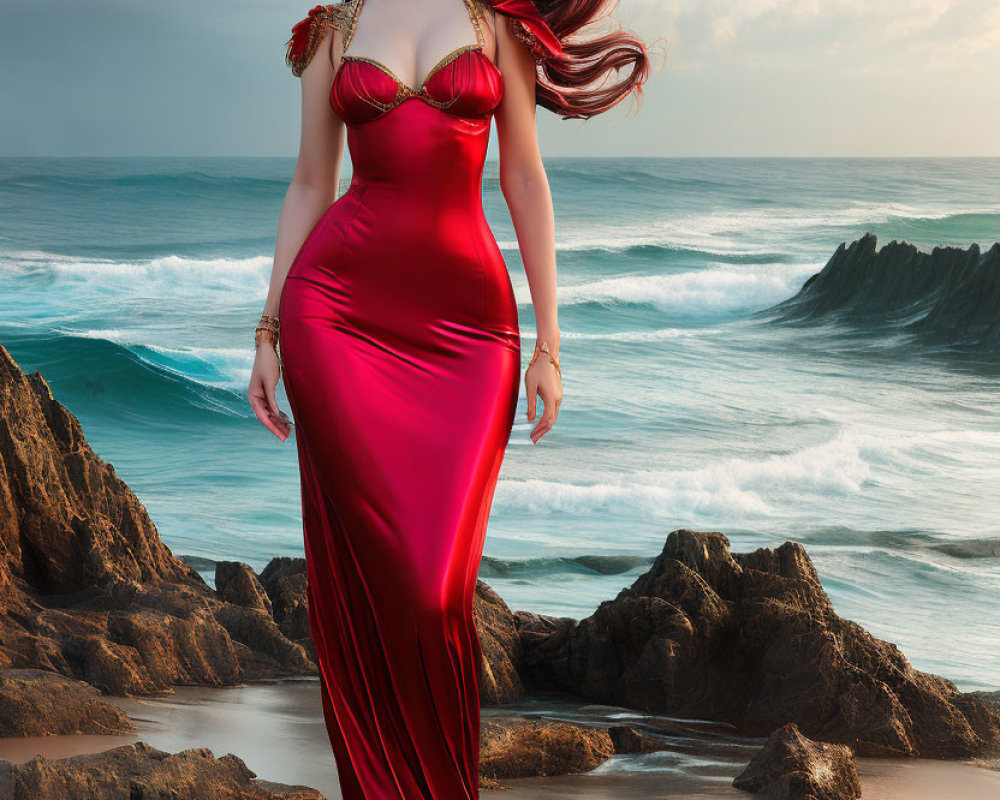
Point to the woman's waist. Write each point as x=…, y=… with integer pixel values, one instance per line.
x=454, y=195
x=435, y=154
x=365, y=264
x=376, y=215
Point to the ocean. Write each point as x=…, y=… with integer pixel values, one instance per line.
x=134, y=285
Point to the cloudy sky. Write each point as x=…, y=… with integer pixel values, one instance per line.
x=733, y=78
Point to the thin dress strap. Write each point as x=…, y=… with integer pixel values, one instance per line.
x=475, y=14
x=352, y=25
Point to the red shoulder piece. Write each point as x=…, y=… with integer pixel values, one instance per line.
x=530, y=27
x=306, y=36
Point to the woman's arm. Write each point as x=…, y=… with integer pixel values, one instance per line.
x=312, y=189
x=525, y=187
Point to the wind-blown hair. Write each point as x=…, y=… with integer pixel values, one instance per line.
x=579, y=76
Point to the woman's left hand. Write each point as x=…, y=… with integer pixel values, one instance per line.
x=542, y=379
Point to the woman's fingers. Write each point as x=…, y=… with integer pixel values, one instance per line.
x=280, y=419
x=552, y=400
x=549, y=390
x=264, y=378
x=263, y=414
x=531, y=389
x=544, y=426
x=272, y=402
x=262, y=410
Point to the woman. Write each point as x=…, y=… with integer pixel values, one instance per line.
x=400, y=346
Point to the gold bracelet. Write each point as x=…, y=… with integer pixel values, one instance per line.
x=268, y=329
x=544, y=348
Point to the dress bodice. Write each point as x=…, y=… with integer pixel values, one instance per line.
x=463, y=83
x=423, y=144
x=418, y=145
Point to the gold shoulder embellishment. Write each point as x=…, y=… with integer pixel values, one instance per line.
x=342, y=13
x=309, y=32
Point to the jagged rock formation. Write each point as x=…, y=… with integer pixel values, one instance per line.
x=752, y=639
x=237, y=583
x=138, y=771
x=747, y=639
x=791, y=767
x=500, y=668
x=279, y=593
x=948, y=297
x=87, y=588
x=67, y=523
x=38, y=703
x=285, y=581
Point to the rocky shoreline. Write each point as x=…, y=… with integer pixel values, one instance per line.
x=93, y=604
x=947, y=298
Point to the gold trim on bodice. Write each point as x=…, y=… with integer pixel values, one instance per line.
x=404, y=90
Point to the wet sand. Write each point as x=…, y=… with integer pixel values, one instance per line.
x=277, y=729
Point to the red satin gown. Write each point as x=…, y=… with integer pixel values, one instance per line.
x=401, y=353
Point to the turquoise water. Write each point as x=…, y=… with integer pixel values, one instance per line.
x=134, y=286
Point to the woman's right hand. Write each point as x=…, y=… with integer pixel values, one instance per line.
x=263, y=379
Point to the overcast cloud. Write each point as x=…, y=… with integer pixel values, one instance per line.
x=733, y=77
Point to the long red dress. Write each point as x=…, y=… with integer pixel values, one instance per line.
x=401, y=353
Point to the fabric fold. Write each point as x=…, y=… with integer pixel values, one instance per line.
x=531, y=27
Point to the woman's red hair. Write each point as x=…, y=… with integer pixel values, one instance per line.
x=575, y=77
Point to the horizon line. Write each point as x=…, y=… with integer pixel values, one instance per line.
x=493, y=159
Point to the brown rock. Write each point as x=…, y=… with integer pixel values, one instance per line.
x=542, y=647
x=67, y=522
x=499, y=669
x=627, y=739
x=237, y=583
x=134, y=639
x=752, y=640
x=489, y=784
x=517, y=747
x=791, y=767
x=290, y=599
x=140, y=772
x=262, y=648
x=88, y=590
x=281, y=567
x=286, y=583
x=38, y=703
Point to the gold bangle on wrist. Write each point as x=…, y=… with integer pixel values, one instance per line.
x=544, y=348
x=267, y=330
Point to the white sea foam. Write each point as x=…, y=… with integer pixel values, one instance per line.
x=231, y=365
x=750, y=232
x=168, y=276
x=728, y=491
x=712, y=289
x=659, y=335
x=830, y=479
x=223, y=354
x=110, y=334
